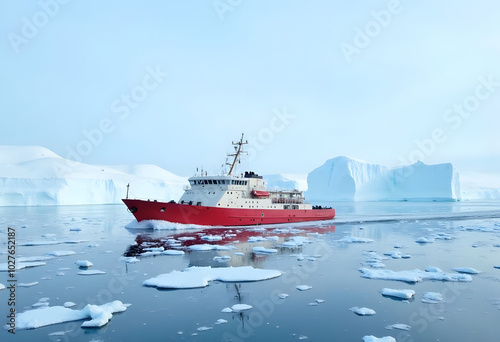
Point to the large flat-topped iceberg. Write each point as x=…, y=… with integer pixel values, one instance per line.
x=347, y=179
x=33, y=175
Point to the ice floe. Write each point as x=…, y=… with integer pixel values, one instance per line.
x=208, y=247
x=21, y=265
x=240, y=307
x=27, y=284
x=204, y=328
x=371, y=338
x=398, y=326
x=173, y=252
x=130, y=260
x=295, y=242
x=83, y=263
x=211, y=238
x=303, y=287
x=432, y=298
x=99, y=314
x=283, y=296
x=61, y=253
x=263, y=250
x=194, y=277
x=413, y=276
x=403, y=294
x=2, y=286
x=353, y=239
x=467, y=270
x=34, y=258
x=220, y=321
x=69, y=304
x=91, y=272
x=223, y=258
x=362, y=311
x=424, y=240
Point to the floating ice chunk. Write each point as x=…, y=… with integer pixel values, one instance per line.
x=186, y=238
x=222, y=258
x=204, y=328
x=403, y=294
x=21, y=265
x=91, y=272
x=319, y=301
x=194, y=277
x=130, y=260
x=295, y=242
x=263, y=250
x=207, y=247
x=432, y=298
x=283, y=296
x=69, y=304
x=353, y=239
x=83, y=263
x=227, y=310
x=154, y=249
x=150, y=253
x=398, y=326
x=467, y=270
x=405, y=256
x=303, y=287
x=397, y=245
x=2, y=286
x=413, y=276
x=241, y=307
x=44, y=299
x=255, y=239
x=442, y=236
x=272, y=238
x=312, y=304
x=371, y=338
x=497, y=266
x=239, y=253
x=61, y=253
x=424, y=240
x=40, y=304
x=220, y=321
x=173, y=252
x=34, y=258
x=362, y=311
x=300, y=257
x=211, y=237
x=433, y=269
x=60, y=274
x=393, y=254
x=27, y=284
x=303, y=337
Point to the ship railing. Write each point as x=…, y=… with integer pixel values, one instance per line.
x=288, y=200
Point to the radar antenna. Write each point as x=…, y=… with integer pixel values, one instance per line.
x=238, y=148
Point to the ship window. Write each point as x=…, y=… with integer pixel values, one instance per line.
x=198, y=203
x=209, y=181
x=205, y=181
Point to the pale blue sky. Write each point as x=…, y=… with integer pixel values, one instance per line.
x=230, y=72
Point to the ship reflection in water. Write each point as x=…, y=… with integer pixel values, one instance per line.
x=232, y=247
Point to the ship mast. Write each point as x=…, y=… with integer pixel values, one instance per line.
x=238, y=152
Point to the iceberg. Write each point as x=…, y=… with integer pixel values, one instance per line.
x=34, y=176
x=348, y=179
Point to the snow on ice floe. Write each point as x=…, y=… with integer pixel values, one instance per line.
x=99, y=314
x=295, y=242
x=240, y=307
x=303, y=287
x=413, y=276
x=130, y=260
x=353, y=239
x=21, y=265
x=398, y=326
x=194, y=277
x=263, y=250
x=69, y=304
x=207, y=247
x=423, y=240
x=91, y=272
x=432, y=298
x=283, y=295
x=83, y=263
x=173, y=252
x=223, y=258
x=220, y=321
x=433, y=269
x=204, y=328
x=371, y=338
x=362, y=311
x=211, y=237
x=61, y=253
x=467, y=270
x=27, y=284
x=403, y=294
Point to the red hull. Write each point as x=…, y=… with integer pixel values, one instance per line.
x=213, y=216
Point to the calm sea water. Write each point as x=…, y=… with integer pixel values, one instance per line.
x=471, y=310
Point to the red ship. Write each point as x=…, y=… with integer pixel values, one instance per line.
x=230, y=200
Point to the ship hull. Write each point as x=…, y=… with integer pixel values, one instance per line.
x=215, y=216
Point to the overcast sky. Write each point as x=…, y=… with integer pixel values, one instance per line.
x=172, y=83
